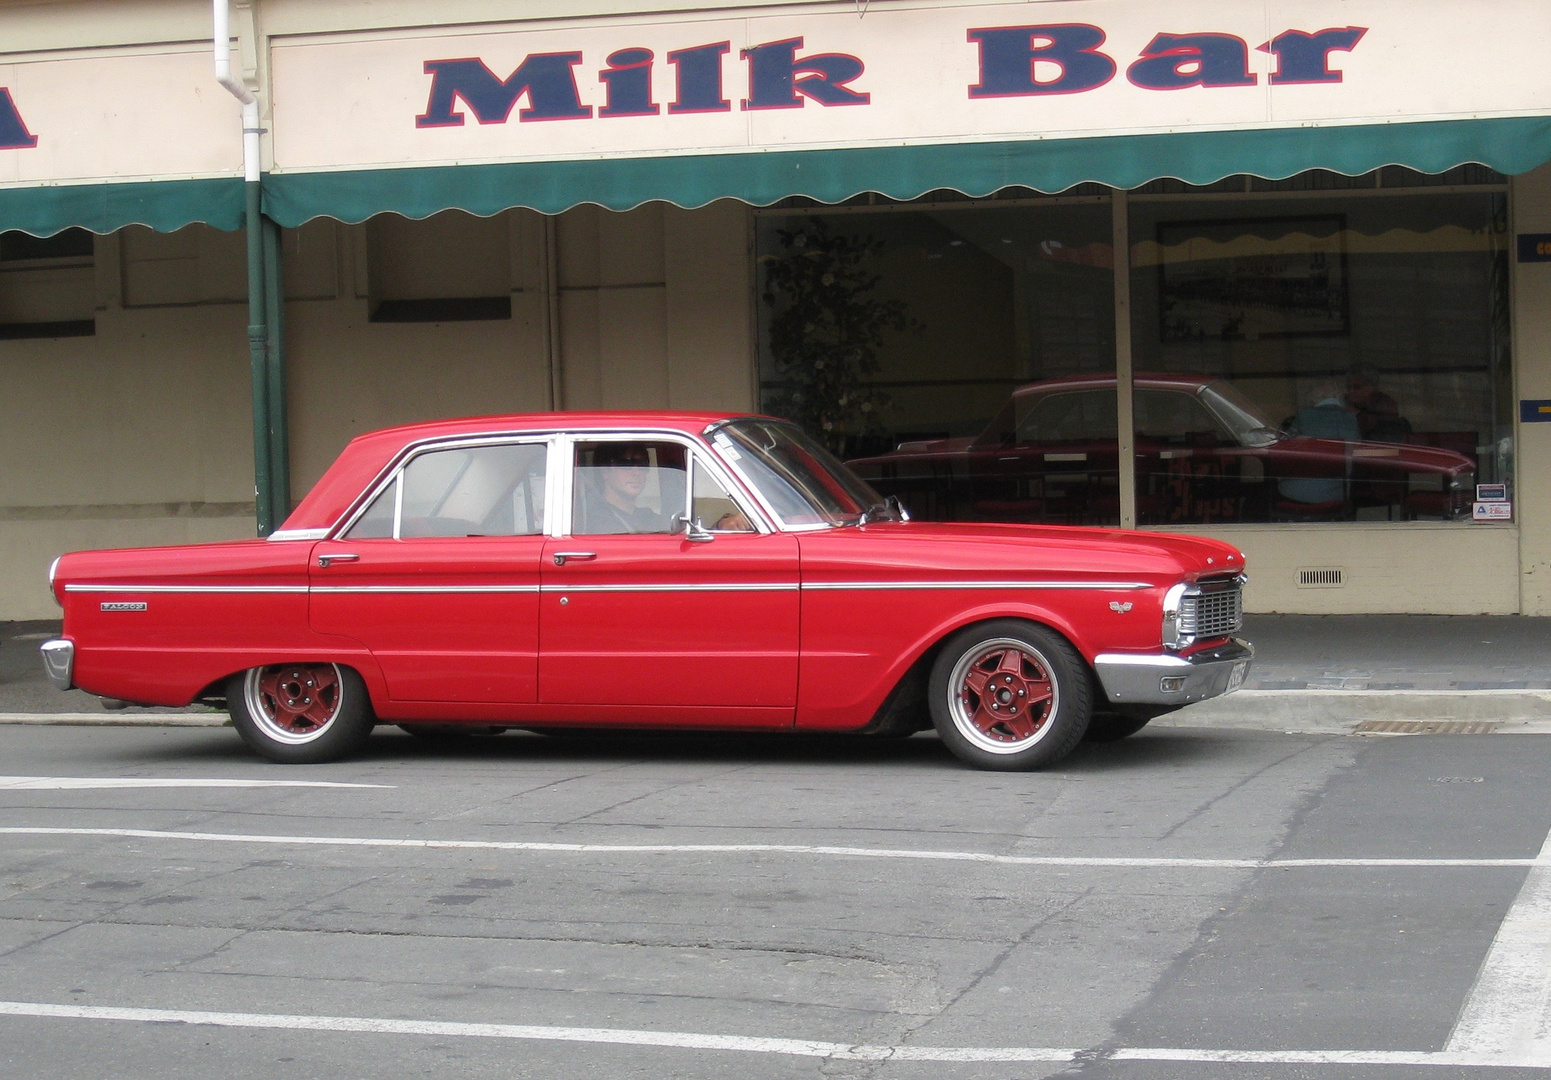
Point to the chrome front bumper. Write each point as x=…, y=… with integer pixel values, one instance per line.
x=59, y=662
x=1163, y=679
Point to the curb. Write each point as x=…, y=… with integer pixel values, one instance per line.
x=96, y=719
x=1339, y=712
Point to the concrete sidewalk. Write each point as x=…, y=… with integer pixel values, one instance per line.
x=1371, y=674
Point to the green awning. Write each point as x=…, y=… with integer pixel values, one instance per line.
x=164, y=205
x=1509, y=145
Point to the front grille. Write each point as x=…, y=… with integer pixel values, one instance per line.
x=1215, y=611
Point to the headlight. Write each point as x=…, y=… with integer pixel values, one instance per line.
x=1172, y=637
x=53, y=568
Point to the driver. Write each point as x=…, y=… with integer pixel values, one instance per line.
x=622, y=472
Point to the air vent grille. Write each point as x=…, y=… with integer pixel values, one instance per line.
x=1321, y=577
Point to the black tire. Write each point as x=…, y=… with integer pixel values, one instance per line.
x=1112, y=727
x=302, y=713
x=1019, y=661
x=450, y=731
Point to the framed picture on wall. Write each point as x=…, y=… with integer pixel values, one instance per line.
x=1252, y=278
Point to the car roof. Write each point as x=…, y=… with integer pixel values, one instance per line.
x=364, y=458
x=1145, y=380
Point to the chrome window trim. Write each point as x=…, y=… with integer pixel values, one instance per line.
x=1104, y=586
x=400, y=461
x=697, y=450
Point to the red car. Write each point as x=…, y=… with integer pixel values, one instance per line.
x=1204, y=453
x=649, y=571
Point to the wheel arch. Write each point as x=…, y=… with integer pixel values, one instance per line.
x=905, y=681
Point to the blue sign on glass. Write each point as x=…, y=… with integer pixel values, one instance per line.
x=1535, y=412
x=1535, y=247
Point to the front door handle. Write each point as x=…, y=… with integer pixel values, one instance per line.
x=582, y=556
x=343, y=556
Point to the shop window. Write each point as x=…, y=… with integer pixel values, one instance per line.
x=920, y=342
x=47, y=285
x=1346, y=360
x=452, y=267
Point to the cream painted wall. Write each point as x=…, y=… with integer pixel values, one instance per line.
x=141, y=435
x=1435, y=568
x=654, y=308
x=1532, y=361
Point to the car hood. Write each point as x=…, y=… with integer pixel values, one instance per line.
x=975, y=548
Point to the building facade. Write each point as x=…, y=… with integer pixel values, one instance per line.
x=1326, y=338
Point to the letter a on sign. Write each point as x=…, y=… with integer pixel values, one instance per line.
x=13, y=133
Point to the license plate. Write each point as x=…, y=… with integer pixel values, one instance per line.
x=1236, y=676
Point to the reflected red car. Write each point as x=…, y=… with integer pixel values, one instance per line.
x=1204, y=454
x=629, y=570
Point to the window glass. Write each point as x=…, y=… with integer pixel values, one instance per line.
x=629, y=487
x=377, y=522
x=714, y=508
x=800, y=480
x=900, y=339
x=475, y=491
x=1354, y=353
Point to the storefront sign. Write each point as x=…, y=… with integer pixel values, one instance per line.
x=827, y=77
x=1491, y=493
x=1491, y=511
x=13, y=129
x=1537, y=411
x=136, y=115
x=1534, y=247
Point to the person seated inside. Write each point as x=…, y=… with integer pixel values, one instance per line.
x=608, y=493
x=1378, y=414
x=1327, y=418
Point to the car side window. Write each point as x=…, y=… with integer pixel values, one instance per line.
x=1173, y=417
x=713, y=505
x=462, y=491
x=1078, y=416
x=628, y=486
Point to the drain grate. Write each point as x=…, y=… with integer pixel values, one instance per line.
x=1427, y=727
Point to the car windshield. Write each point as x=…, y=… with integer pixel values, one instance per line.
x=1240, y=414
x=801, y=481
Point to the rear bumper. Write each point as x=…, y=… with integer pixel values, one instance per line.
x=59, y=662
x=1139, y=679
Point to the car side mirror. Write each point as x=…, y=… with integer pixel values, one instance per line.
x=692, y=528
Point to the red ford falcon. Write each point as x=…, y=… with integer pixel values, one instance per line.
x=660, y=570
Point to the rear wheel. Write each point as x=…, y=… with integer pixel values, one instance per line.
x=302, y=713
x=1009, y=695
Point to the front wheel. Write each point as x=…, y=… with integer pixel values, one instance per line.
x=300, y=714
x=1009, y=695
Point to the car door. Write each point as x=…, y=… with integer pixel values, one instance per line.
x=703, y=620
x=439, y=576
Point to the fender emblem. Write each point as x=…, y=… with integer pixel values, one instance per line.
x=1120, y=608
x=124, y=605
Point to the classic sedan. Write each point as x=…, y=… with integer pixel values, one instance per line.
x=1204, y=453
x=649, y=571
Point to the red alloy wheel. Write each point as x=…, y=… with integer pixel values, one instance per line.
x=295, y=702
x=1003, y=696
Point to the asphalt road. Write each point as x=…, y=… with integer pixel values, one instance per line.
x=1188, y=903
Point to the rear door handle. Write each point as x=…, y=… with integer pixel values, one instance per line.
x=581, y=556
x=343, y=556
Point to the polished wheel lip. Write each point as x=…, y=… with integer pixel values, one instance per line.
x=962, y=719
x=266, y=721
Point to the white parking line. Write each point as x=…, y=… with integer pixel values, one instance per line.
x=1508, y=1012
x=686, y=1040
x=1117, y=862
x=91, y=783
